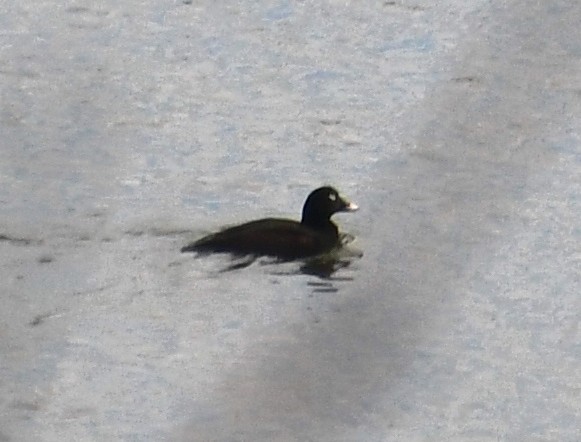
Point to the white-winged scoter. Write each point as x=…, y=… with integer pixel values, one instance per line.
x=283, y=238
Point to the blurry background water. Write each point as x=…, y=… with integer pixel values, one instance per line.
x=128, y=129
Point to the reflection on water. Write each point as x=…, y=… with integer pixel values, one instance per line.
x=326, y=268
x=323, y=266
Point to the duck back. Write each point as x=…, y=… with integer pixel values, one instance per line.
x=281, y=238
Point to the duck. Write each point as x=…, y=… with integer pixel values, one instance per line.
x=284, y=239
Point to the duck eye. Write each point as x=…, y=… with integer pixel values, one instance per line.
x=332, y=197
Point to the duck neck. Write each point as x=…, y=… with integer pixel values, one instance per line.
x=319, y=223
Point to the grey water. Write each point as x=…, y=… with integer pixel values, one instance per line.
x=129, y=129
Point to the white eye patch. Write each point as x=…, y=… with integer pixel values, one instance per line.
x=333, y=197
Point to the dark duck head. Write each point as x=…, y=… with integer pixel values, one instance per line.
x=321, y=204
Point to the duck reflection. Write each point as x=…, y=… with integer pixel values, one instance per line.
x=324, y=266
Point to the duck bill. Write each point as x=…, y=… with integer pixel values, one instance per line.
x=350, y=207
